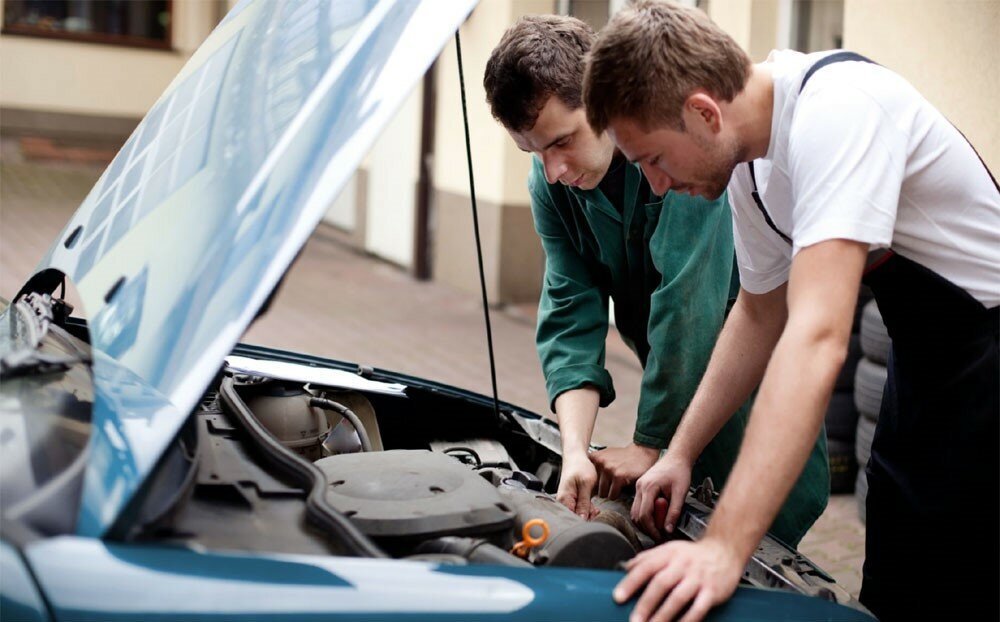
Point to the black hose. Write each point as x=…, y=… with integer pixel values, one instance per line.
x=301, y=470
x=346, y=413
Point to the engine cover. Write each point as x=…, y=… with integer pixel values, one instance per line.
x=409, y=493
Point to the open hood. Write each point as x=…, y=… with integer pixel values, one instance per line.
x=193, y=224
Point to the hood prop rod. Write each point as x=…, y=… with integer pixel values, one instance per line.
x=475, y=225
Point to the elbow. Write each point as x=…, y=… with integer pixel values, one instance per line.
x=834, y=355
x=830, y=354
x=825, y=347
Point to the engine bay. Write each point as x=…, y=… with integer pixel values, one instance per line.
x=428, y=473
x=453, y=496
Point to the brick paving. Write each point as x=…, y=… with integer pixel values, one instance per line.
x=340, y=303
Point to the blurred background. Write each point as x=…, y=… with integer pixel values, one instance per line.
x=390, y=279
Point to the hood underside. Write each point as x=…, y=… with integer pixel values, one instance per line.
x=193, y=224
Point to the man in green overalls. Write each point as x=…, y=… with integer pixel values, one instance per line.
x=667, y=263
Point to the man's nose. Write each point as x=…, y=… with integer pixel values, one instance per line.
x=554, y=167
x=659, y=181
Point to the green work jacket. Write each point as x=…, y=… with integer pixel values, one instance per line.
x=668, y=265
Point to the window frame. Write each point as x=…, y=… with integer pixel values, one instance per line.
x=130, y=41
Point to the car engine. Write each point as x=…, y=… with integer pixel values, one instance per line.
x=462, y=499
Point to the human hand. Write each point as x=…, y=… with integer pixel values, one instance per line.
x=576, y=485
x=670, y=477
x=703, y=573
x=618, y=467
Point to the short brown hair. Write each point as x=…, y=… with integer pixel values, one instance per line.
x=539, y=56
x=651, y=56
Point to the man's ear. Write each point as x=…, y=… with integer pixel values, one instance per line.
x=701, y=110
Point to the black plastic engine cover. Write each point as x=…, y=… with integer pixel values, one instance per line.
x=407, y=493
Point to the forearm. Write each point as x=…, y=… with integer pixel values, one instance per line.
x=789, y=409
x=788, y=414
x=576, y=411
x=737, y=365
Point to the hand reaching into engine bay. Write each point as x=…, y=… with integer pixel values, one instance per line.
x=670, y=477
x=620, y=467
x=576, y=485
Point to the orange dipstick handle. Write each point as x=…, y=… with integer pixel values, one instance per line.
x=528, y=542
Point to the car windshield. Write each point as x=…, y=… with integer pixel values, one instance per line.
x=45, y=424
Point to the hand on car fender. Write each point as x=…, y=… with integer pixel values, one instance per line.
x=670, y=477
x=618, y=467
x=702, y=574
x=576, y=485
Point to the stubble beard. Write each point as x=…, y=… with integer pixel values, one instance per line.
x=724, y=161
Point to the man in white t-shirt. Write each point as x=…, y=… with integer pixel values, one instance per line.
x=838, y=170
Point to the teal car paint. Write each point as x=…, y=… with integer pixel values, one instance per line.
x=19, y=597
x=194, y=585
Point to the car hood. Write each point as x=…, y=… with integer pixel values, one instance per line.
x=191, y=227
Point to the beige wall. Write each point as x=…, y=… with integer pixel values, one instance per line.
x=512, y=255
x=95, y=79
x=393, y=167
x=733, y=16
x=948, y=49
x=757, y=25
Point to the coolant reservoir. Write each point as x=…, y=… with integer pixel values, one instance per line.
x=287, y=415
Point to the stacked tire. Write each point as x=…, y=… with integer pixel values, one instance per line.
x=869, y=383
x=842, y=414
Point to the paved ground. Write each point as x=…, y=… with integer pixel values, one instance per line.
x=341, y=304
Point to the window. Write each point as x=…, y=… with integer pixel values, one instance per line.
x=143, y=23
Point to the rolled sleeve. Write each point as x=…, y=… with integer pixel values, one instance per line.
x=577, y=376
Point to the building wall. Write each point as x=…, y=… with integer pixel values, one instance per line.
x=512, y=255
x=947, y=49
x=56, y=76
x=392, y=170
x=734, y=17
x=759, y=26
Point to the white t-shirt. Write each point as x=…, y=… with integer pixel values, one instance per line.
x=861, y=155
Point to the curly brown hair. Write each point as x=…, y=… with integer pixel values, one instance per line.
x=539, y=56
x=651, y=56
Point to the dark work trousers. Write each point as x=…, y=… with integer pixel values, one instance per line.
x=932, y=550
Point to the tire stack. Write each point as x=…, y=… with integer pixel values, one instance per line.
x=842, y=415
x=869, y=382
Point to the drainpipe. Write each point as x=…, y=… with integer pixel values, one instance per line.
x=425, y=183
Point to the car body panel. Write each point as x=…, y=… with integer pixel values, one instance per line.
x=19, y=599
x=74, y=572
x=195, y=221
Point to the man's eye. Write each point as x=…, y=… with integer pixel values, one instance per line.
x=563, y=142
x=654, y=161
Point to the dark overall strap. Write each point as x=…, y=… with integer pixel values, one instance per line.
x=763, y=210
x=837, y=57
